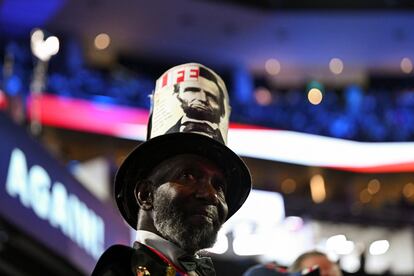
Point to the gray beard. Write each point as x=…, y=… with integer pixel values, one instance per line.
x=169, y=222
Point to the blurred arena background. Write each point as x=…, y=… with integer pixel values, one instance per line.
x=322, y=97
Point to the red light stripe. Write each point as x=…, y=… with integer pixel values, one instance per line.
x=126, y=122
x=86, y=116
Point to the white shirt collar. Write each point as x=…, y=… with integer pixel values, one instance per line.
x=167, y=248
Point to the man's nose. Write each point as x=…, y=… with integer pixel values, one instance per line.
x=207, y=191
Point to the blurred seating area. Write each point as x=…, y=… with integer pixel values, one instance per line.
x=351, y=112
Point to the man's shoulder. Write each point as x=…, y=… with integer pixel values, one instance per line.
x=116, y=260
x=125, y=260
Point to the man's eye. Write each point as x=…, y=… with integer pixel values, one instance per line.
x=188, y=176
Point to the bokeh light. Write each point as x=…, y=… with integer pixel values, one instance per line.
x=379, y=247
x=373, y=186
x=408, y=190
x=406, y=65
x=288, y=186
x=315, y=96
x=340, y=245
x=102, y=41
x=336, y=66
x=263, y=96
x=272, y=67
x=42, y=48
x=317, y=185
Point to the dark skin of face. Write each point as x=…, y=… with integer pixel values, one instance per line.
x=193, y=185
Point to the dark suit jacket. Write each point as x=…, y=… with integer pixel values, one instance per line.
x=121, y=260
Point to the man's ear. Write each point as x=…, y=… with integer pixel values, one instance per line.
x=144, y=194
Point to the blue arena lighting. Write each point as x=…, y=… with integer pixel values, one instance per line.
x=21, y=16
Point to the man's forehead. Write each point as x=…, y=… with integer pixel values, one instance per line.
x=202, y=83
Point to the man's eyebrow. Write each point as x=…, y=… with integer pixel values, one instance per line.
x=192, y=89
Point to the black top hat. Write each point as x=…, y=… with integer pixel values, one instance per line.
x=190, y=114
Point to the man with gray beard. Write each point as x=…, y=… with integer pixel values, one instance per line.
x=179, y=187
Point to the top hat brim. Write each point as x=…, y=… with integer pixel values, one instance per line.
x=141, y=161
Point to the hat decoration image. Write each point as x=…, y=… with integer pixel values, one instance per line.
x=189, y=115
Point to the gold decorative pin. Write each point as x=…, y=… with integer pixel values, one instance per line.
x=142, y=271
x=170, y=271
